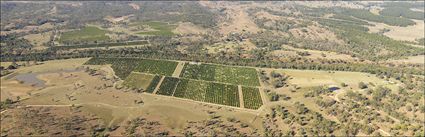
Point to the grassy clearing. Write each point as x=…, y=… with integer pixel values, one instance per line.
x=251, y=98
x=311, y=78
x=161, y=28
x=88, y=33
x=160, y=67
x=226, y=74
x=138, y=81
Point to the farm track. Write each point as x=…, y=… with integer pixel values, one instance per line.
x=159, y=84
x=179, y=69
x=241, y=101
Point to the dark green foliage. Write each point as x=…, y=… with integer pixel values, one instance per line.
x=131, y=43
x=168, y=86
x=367, y=15
x=203, y=72
x=402, y=12
x=192, y=89
x=222, y=94
x=251, y=97
x=153, y=84
x=357, y=39
x=362, y=85
x=219, y=73
x=161, y=67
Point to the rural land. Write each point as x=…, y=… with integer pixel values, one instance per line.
x=212, y=68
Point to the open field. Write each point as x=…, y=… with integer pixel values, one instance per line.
x=88, y=33
x=409, y=33
x=160, y=28
x=420, y=59
x=39, y=39
x=310, y=78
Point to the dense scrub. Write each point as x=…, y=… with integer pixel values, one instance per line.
x=131, y=43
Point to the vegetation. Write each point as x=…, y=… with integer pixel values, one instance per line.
x=404, y=12
x=192, y=89
x=222, y=94
x=153, y=84
x=138, y=81
x=106, y=45
x=168, y=86
x=226, y=74
x=366, y=15
x=87, y=34
x=161, y=29
x=160, y=67
x=251, y=97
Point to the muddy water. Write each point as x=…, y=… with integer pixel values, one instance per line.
x=31, y=78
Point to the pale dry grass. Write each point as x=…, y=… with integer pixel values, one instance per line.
x=412, y=59
x=189, y=28
x=409, y=33
x=39, y=39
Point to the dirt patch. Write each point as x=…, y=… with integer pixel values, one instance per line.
x=237, y=20
x=189, y=28
x=38, y=40
x=314, y=32
x=47, y=121
x=134, y=6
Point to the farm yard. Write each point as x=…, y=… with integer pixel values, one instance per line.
x=226, y=74
x=206, y=82
x=196, y=83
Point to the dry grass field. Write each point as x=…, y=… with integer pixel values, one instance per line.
x=409, y=33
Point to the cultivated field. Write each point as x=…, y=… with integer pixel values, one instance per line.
x=225, y=74
x=88, y=33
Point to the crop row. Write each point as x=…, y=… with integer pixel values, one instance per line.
x=219, y=73
x=204, y=91
x=251, y=98
x=124, y=66
x=168, y=86
x=160, y=67
x=153, y=84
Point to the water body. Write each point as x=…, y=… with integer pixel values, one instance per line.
x=31, y=78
